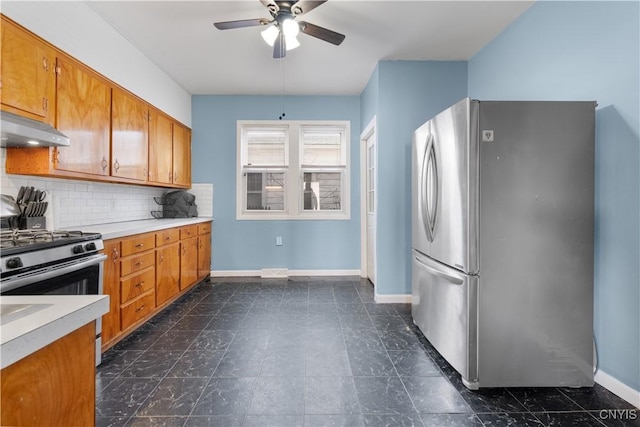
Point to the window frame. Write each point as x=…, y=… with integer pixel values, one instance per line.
x=293, y=171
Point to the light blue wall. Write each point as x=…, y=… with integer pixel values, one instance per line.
x=408, y=94
x=369, y=99
x=588, y=51
x=250, y=245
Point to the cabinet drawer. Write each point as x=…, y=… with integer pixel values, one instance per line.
x=137, y=285
x=136, y=263
x=204, y=228
x=188, y=231
x=139, y=243
x=165, y=237
x=137, y=309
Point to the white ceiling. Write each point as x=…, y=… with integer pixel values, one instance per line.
x=179, y=37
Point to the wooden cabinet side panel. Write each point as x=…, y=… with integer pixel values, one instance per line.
x=34, y=161
x=160, y=148
x=167, y=272
x=28, y=80
x=129, y=136
x=83, y=113
x=54, y=386
x=111, y=287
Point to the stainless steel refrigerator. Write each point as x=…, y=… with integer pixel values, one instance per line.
x=502, y=236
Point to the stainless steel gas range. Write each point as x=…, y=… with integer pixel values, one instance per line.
x=40, y=262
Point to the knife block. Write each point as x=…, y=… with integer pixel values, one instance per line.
x=33, y=223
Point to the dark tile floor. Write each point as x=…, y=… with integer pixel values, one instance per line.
x=310, y=352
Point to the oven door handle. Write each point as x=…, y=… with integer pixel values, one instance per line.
x=49, y=273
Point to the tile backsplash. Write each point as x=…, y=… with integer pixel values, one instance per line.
x=74, y=203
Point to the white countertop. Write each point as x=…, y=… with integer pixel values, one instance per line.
x=62, y=315
x=115, y=230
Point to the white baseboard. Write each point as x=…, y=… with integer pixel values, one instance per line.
x=392, y=299
x=619, y=388
x=292, y=273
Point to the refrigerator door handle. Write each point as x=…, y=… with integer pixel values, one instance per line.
x=448, y=277
x=429, y=188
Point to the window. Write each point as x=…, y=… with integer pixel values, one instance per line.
x=293, y=170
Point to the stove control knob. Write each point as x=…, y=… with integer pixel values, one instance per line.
x=78, y=249
x=90, y=246
x=14, y=263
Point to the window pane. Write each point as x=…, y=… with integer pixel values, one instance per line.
x=265, y=191
x=322, y=148
x=322, y=191
x=266, y=147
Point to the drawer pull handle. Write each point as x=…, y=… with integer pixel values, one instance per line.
x=140, y=285
x=138, y=263
x=139, y=245
x=140, y=308
x=167, y=238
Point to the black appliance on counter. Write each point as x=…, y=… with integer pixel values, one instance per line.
x=41, y=262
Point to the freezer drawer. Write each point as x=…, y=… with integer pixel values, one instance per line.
x=444, y=307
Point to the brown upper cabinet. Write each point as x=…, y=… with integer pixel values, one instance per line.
x=169, y=151
x=181, y=155
x=28, y=79
x=115, y=136
x=83, y=114
x=129, y=136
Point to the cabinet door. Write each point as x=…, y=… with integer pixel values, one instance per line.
x=129, y=136
x=204, y=255
x=160, y=148
x=28, y=80
x=83, y=112
x=111, y=287
x=188, y=262
x=167, y=272
x=181, y=156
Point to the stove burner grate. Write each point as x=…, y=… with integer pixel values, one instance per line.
x=15, y=238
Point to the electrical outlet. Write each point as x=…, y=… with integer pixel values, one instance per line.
x=279, y=241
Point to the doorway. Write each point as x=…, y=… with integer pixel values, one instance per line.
x=368, y=204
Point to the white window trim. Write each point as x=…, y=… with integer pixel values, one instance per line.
x=293, y=178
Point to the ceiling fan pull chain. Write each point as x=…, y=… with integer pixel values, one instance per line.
x=282, y=93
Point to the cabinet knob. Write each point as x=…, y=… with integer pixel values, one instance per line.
x=116, y=165
x=104, y=163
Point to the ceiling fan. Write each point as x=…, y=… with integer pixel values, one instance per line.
x=282, y=29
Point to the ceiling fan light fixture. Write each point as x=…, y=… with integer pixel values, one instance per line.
x=270, y=34
x=291, y=42
x=290, y=28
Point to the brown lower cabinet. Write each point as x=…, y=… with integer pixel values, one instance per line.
x=54, y=386
x=146, y=272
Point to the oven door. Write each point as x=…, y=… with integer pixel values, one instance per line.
x=81, y=276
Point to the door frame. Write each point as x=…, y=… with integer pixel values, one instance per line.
x=364, y=136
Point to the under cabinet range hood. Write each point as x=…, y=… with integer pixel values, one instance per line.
x=20, y=131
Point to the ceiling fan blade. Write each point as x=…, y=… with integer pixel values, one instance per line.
x=271, y=5
x=321, y=33
x=280, y=47
x=228, y=25
x=303, y=6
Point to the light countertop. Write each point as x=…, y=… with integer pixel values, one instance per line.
x=58, y=315
x=115, y=230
